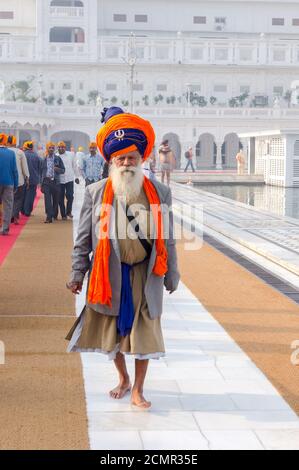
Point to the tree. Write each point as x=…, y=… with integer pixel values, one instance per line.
x=113, y=100
x=125, y=103
x=92, y=96
x=70, y=98
x=20, y=89
x=158, y=98
x=288, y=97
x=81, y=102
x=145, y=100
x=213, y=100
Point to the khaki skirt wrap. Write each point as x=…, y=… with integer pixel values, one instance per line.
x=95, y=332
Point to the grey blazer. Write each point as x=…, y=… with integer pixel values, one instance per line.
x=86, y=243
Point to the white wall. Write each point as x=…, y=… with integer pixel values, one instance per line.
x=24, y=22
x=173, y=15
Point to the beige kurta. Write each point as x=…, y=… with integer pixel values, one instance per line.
x=95, y=332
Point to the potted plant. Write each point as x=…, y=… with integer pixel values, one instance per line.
x=92, y=96
x=70, y=98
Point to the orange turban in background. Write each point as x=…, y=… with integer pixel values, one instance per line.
x=11, y=141
x=61, y=144
x=124, y=132
x=93, y=145
x=28, y=145
x=50, y=144
x=3, y=139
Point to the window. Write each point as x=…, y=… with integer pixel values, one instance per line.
x=6, y=15
x=278, y=90
x=111, y=86
x=161, y=87
x=279, y=55
x=246, y=54
x=244, y=89
x=66, y=34
x=141, y=18
x=119, y=18
x=295, y=22
x=112, y=52
x=66, y=86
x=221, y=54
x=81, y=86
x=277, y=21
x=66, y=3
x=296, y=148
x=195, y=88
x=196, y=53
x=220, y=88
x=138, y=86
x=162, y=53
x=199, y=19
x=140, y=52
x=52, y=86
x=220, y=20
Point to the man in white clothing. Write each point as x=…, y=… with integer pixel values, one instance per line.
x=67, y=181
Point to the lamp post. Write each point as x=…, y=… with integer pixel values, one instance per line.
x=131, y=60
x=40, y=83
x=188, y=85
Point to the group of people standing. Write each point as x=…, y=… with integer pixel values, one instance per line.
x=55, y=170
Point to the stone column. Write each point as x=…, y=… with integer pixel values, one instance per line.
x=245, y=145
x=219, y=156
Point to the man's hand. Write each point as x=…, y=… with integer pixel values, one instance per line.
x=77, y=181
x=74, y=287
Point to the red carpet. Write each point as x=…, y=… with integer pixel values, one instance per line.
x=6, y=243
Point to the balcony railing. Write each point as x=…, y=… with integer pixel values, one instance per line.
x=40, y=109
x=154, y=51
x=67, y=12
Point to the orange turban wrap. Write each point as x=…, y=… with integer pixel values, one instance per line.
x=125, y=132
x=11, y=141
x=61, y=144
x=28, y=145
x=3, y=139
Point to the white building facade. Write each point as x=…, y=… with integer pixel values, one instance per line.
x=204, y=71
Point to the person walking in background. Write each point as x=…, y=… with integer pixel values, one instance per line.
x=67, y=181
x=79, y=158
x=34, y=163
x=8, y=182
x=240, y=157
x=52, y=168
x=23, y=176
x=149, y=166
x=92, y=165
x=40, y=151
x=189, y=157
x=167, y=160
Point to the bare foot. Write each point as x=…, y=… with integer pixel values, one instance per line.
x=119, y=392
x=137, y=399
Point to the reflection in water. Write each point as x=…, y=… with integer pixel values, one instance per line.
x=280, y=201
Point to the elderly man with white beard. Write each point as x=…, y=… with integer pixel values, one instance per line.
x=126, y=222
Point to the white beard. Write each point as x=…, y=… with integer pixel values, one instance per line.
x=127, y=181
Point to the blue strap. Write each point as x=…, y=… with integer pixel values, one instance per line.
x=126, y=311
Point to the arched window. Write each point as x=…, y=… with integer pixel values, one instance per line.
x=64, y=34
x=66, y=3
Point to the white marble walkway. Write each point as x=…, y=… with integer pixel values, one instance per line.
x=266, y=238
x=206, y=393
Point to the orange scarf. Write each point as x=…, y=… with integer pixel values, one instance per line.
x=99, y=284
